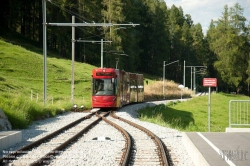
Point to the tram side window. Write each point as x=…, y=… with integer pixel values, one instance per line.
x=133, y=86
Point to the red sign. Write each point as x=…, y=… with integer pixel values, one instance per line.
x=210, y=82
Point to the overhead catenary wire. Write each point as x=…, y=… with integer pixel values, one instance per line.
x=59, y=5
x=78, y=16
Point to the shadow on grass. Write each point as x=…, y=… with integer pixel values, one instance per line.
x=29, y=44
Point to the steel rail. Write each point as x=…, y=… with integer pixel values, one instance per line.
x=40, y=141
x=56, y=151
x=128, y=145
x=163, y=153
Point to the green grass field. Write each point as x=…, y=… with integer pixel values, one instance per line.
x=193, y=114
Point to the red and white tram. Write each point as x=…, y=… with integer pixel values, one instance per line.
x=112, y=88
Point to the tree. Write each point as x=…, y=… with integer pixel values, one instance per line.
x=198, y=45
x=228, y=41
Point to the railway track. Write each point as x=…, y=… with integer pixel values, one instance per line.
x=145, y=148
x=45, y=149
x=139, y=146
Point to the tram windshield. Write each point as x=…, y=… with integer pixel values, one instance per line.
x=103, y=87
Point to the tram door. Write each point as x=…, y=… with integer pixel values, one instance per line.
x=133, y=87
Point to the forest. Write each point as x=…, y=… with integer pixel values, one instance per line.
x=164, y=33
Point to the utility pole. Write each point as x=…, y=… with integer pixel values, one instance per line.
x=191, y=86
x=163, y=79
x=44, y=53
x=193, y=72
x=73, y=25
x=96, y=41
x=184, y=75
x=194, y=82
x=101, y=53
x=73, y=61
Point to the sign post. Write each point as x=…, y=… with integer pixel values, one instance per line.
x=209, y=82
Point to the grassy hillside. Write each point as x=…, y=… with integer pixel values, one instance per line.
x=21, y=71
x=21, y=85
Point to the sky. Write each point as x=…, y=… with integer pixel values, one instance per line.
x=203, y=11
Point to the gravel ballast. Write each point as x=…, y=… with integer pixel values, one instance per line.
x=41, y=128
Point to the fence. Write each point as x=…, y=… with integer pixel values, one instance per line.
x=239, y=113
x=52, y=100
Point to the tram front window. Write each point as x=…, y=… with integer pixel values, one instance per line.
x=103, y=87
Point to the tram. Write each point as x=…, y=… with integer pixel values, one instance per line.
x=113, y=88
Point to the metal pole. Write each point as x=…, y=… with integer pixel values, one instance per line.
x=191, y=79
x=73, y=60
x=102, y=53
x=230, y=102
x=209, y=107
x=163, y=79
x=88, y=24
x=164, y=75
x=117, y=61
x=184, y=75
x=194, y=82
x=44, y=52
